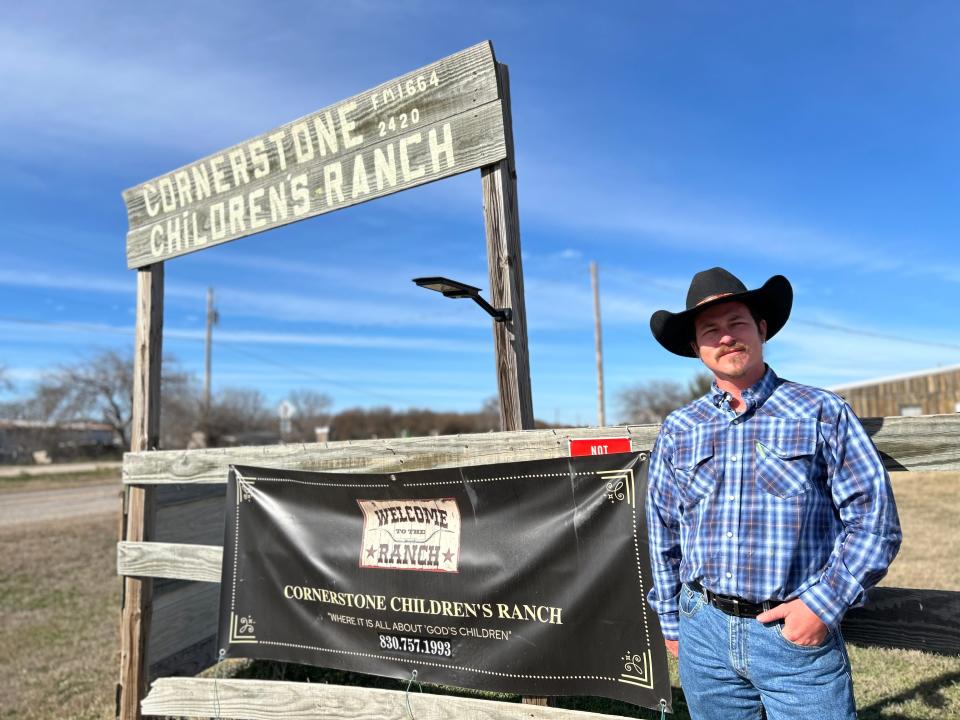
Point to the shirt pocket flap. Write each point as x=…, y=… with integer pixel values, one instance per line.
x=793, y=439
x=785, y=457
x=695, y=473
x=692, y=453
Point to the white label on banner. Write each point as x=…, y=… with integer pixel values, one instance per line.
x=411, y=534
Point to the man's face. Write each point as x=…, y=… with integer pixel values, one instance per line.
x=729, y=342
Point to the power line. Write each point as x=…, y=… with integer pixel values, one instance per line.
x=882, y=336
x=309, y=373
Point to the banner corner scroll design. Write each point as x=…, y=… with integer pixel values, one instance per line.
x=244, y=486
x=637, y=669
x=242, y=629
x=621, y=485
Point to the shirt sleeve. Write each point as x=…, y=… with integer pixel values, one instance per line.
x=663, y=529
x=871, y=534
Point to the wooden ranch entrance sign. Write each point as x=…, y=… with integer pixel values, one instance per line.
x=446, y=118
x=438, y=121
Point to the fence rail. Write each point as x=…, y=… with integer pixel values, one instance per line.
x=273, y=700
x=917, y=443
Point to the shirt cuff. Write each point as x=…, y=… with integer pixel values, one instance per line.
x=670, y=625
x=824, y=603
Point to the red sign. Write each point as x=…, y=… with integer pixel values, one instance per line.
x=599, y=446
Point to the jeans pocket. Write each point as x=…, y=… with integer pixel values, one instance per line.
x=827, y=641
x=690, y=602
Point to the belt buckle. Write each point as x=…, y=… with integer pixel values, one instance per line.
x=736, y=606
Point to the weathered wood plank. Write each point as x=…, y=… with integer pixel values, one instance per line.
x=139, y=508
x=267, y=700
x=924, y=443
x=504, y=261
x=170, y=560
x=171, y=496
x=929, y=442
x=435, y=122
x=199, y=522
x=908, y=619
x=375, y=456
x=893, y=617
x=188, y=662
x=182, y=618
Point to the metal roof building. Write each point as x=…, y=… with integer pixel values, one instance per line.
x=927, y=392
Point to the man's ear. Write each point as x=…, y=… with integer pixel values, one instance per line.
x=763, y=330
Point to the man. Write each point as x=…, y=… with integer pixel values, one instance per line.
x=770, y=514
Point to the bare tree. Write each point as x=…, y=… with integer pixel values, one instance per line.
x=311, y=410
x=100, y=389
x=5, y=382
x=181, y=408
x=384, y=422
x=700, y=384
x=239, y=412
x=652, y=401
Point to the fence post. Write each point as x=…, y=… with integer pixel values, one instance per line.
x=139, y=511
x=505, y=265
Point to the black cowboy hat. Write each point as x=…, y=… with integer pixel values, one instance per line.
x=772, y=302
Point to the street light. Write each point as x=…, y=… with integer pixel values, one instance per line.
x=453, y=289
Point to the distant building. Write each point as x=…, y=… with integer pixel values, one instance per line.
x=927, y=392
x=21, y=439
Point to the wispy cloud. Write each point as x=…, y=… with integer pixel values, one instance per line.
x=25, y=278
x=50, y=331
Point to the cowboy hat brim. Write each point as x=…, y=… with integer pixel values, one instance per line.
x=772, y=301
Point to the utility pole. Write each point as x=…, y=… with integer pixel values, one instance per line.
x=601, y=415
x=212, y=319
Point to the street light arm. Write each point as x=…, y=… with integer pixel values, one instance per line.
x=498, y=314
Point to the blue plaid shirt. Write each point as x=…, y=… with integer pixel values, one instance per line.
x=787, y=499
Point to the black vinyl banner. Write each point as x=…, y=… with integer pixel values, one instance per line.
x=525, y=577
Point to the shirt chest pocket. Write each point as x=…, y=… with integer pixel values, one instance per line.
x=695, y=471
x=785, y=457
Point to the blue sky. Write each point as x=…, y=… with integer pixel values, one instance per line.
x=816, y=140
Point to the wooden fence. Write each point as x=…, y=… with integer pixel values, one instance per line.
x=183, y=550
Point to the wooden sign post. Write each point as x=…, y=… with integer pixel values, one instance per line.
x=447, y=118
x=502, y=218
x=138, y=506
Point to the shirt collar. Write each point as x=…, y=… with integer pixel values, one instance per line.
x=753, y=396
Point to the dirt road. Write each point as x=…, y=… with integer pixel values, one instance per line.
x=18, y=508
x=55, y=469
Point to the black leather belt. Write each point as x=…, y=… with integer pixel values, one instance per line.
x=737, y=607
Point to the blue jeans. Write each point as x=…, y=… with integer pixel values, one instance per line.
x=731, y=666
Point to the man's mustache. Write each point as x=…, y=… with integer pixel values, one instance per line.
x=733, y=348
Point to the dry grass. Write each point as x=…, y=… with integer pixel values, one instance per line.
x=59, y=619
x=18, y=483
x=929, y=504
x=59, y=599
